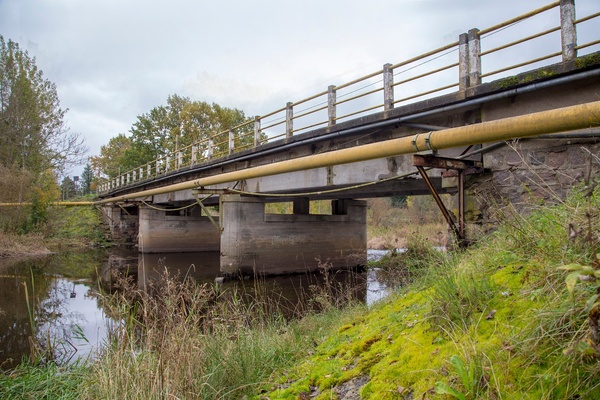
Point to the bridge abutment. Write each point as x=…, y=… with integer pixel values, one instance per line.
x=176, y=231
x=253, y=242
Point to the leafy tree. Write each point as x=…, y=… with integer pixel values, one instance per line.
x=67, y=188
x=33, y=135
x=179, y=124
x=112, y=157
x=35, y=143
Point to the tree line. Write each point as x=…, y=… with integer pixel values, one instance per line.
x=37, y=148
x=166, y=128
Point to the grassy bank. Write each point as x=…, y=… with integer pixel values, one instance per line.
x=508, y=319
x=501, y=321
x=66, y=228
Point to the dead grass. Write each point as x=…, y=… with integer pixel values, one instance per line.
x=12, y=245
x=391, y=227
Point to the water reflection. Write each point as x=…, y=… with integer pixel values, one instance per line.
x=65, y=320
x=62, y=290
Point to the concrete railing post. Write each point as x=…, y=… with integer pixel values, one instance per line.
x=256, y=131
x=179, y=159
x=463, y=61
x=289, y=119
x=211, y=149
x=194, y=151
x=157, y=170
x=331, y=99
x=134, y=175
x=231, y=142
x=149, y=171
x=474, y=58
x=167, y=164
x=141, y=173
x=568, y=32
x=388, y=87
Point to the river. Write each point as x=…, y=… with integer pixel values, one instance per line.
x=55, y=297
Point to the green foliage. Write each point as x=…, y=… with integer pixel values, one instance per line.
x=42, y=382
x=590, y=274
x=33, y=136
x=175, y=125
x=76, y=225
x=87, y=178
x=43, y=194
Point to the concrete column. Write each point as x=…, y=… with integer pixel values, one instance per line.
x=289, y=119
x=463, y=61
x=388, y=87
x=568, y=32
x=256, y=130
x=302, y=205
x=474, y=58
x=161, y=232
x=211, y=149
x=253, y=242
x=231, y=142
x=331, y=99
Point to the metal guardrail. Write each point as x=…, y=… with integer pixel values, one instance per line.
x=456, y=66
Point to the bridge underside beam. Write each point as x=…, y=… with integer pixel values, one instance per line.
x=253, y=242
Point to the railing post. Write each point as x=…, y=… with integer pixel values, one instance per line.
x=474, y=58
x=134, y=177
x=141, y=173
x=568, y=32
x=194, y=151
x=331, y=99
x=256, y=131
x=149, y=174
x=289, y=119
x=167, y=162
x=157, y=167
x=463, y=62
x=231, y=143
x=388, y=87
x=122, y=180
x=179, y=159
x=211, y=149
x=128, y=178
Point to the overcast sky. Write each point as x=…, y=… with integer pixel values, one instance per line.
x=113, y=60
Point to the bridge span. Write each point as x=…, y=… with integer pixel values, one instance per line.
x=489, y=137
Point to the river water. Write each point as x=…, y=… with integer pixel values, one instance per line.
x=55, y=297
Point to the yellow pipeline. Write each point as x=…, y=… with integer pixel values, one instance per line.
x=551, y=121
x=54, y=203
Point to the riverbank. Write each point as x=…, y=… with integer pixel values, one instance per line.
x=66, y=229
x=12, y=245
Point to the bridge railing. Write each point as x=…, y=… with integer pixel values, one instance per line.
x=478, y=56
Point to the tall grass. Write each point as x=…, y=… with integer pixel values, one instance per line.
x=180, y=339
x=548, y=322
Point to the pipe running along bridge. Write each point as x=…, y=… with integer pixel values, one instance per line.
x=442, y=122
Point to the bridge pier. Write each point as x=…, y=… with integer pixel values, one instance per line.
x=123, y=223
x=176, y=231
x=253, y=242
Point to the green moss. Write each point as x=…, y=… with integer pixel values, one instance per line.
x=587, y=61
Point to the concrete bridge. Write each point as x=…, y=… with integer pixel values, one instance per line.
x=437, y=123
